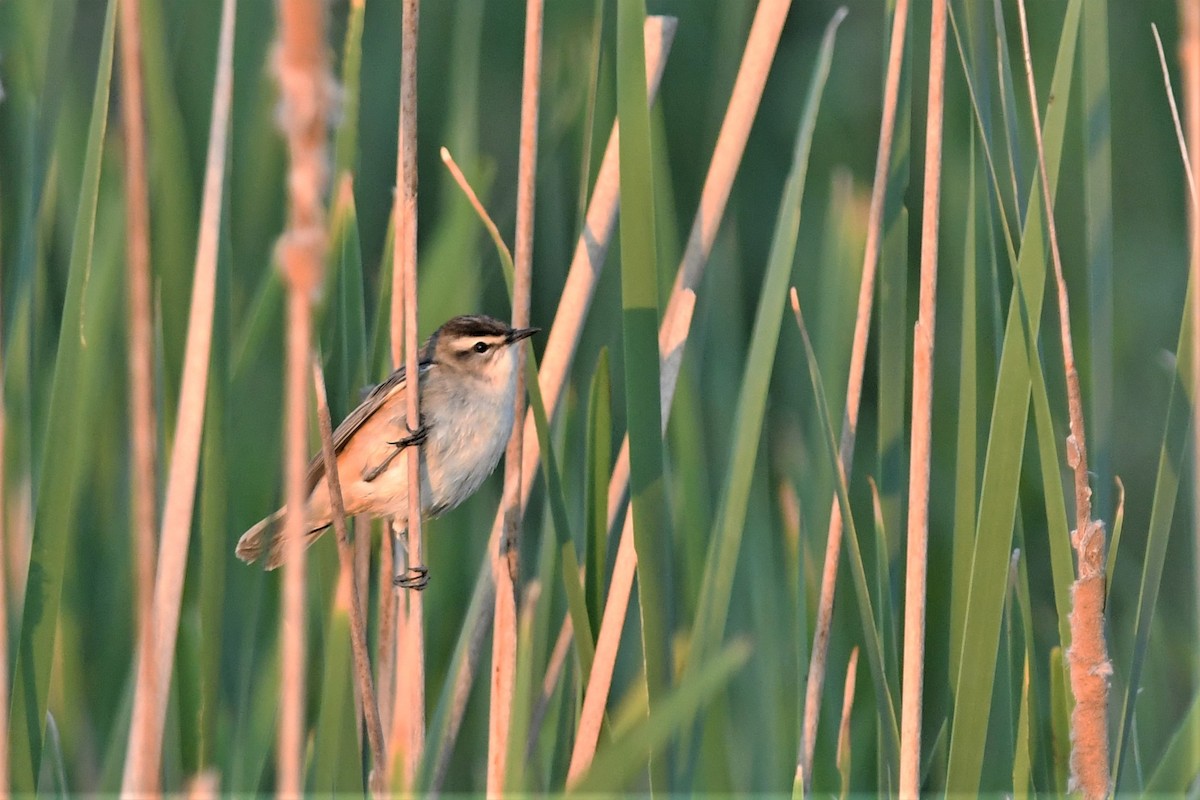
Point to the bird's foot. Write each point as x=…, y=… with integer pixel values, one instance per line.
x=414, y=437
x=413, y=578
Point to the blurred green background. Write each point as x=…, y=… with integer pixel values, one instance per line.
x=469, y=100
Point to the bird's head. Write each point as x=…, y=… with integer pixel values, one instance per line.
x=478, y=346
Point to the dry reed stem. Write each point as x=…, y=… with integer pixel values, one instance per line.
x=843, y=741
x=5, y=700
x=204, y=786
x=389, y=598
x=1193, y=195
x=576, y=297
x=385, y=645
x=362, y=561
x=150, y=699
x=858, y=356
x=523, y=245
x=727, y=155
x=291, y=716
x=408, y=708
x=1088, y=655
x=1189, y=61
x=346, y=562
x=141, y=346
x=305, y=82
x=922, y=404
x=506, y=557
x=400, y=733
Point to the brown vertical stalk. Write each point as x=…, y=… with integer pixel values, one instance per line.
x=858, y=358
x=922, y=403
x=1088, y=655
x=506, y=557
x=400, y=732
x=346, y=562
x=302, y=67
x=4, y=698
x=843, y=741
x=291, y=716
x=203, y=786
x=389, y=597
x=409, y=708
x=141, y=370
x=672, y=336
x=150, y=698
x=1189, y=61
x=385, y=667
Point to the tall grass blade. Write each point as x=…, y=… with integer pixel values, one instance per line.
x=966, y=450
x=1057, y=522
x=1178, y=768
x=716, y=588
x=173, y=195
x=884, y=704
x=614, y=766
x=336, y=760
x=1176, y=435
x=1021, y=771
x=598, y=465
x=451, y=278
x=1008, y=113
x=345, y=143
x=1095, y=115
x=1118, y=527
x=640, y=304
x=445, y=722
x=589, y=122
x=39, y=94
x=1001, y=474
x=549, y=461
x=1060, y=551
x=1060, y=714
x=980, y=112
x=63, y=462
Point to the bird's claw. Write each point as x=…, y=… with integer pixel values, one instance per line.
x=417, y=436
x=413, y=578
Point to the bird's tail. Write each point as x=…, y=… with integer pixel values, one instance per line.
x=267, y=532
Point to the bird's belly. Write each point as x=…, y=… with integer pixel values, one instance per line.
x=463, y=458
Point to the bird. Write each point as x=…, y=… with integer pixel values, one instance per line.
x=468, y=381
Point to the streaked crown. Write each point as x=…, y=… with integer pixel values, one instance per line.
x=472, y=338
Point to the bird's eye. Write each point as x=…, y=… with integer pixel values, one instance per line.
x=481, y=347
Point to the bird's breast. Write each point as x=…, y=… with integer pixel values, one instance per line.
x=467, y=435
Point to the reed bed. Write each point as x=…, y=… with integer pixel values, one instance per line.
x=200, y=237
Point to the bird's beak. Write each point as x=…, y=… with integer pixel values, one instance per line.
x=517, y=334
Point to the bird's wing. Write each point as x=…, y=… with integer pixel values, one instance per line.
x=375, y=399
